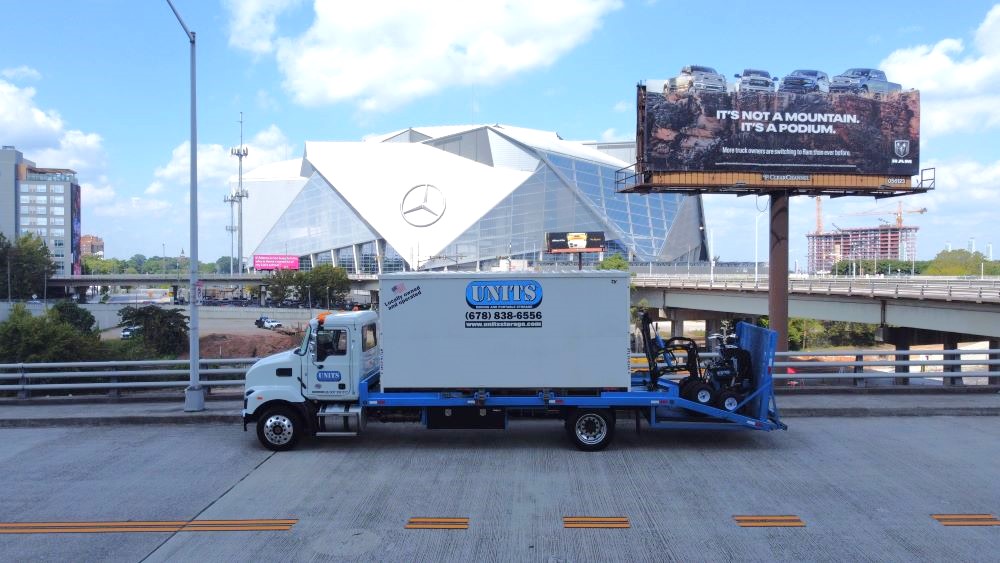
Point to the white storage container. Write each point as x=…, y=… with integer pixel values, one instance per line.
x=495, y=330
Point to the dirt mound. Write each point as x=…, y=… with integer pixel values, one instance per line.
x=246, y=346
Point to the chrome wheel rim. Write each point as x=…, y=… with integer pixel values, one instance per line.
x=278, y=429
x=704, y=396
x=591, y=429
x=730, y=403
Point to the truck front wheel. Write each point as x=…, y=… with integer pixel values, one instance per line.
x=280, y=428
x=591, y=430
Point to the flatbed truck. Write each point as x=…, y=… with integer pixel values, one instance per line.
x=464, y=349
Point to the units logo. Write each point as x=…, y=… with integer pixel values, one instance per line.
x=328, y=376
x=422, y=205
x=503, y=294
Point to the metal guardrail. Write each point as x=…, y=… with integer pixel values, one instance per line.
x=934, y=367
x=23, y=379
x=985, y=290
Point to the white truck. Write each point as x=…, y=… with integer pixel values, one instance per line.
x=462, y=348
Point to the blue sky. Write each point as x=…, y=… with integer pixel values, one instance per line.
x=102, y=87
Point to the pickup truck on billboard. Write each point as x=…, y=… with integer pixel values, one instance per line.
x=863, y=81
x=697, y=78
x=805, y=81
x=753, y=80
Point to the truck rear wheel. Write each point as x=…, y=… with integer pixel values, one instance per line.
x=591, y=429
x=280, y=428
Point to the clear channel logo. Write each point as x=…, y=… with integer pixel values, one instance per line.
x=503, y=294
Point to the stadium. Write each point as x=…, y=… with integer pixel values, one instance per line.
x=477, y=197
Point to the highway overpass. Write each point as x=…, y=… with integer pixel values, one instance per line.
x=967, y=307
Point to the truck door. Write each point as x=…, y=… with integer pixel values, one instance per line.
x=329, y=365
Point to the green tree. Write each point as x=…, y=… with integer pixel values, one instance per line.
x=137, y=262
x=46, y=338
x=280, y=284
x=163, y=330
x=613, y=262
x=329, y=285
x=961, y=263
x=28, y=266
x=74, y=315
x=222, y=265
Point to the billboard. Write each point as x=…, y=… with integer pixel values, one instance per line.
x=574, y=242
x=778, y=134
x=263, y=262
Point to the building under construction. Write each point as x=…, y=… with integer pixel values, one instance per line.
x=884, y=242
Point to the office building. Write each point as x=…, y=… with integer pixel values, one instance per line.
x=44, y=202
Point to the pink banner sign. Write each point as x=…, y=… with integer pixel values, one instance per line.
x=275, y=262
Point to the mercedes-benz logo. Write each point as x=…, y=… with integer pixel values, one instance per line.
x=422, y=206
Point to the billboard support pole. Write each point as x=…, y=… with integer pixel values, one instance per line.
x=777, y=295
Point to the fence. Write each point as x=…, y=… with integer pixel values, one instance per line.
x=27, y=379
x=843, y=368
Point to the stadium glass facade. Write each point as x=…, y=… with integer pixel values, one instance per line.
x=554, y=186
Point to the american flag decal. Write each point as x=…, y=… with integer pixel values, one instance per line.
x=399, y=288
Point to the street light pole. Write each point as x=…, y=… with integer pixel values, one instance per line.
x=194, y=394
x=756, y=225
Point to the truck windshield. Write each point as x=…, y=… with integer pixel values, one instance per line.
x=304, y=345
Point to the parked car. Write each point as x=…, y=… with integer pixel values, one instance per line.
x=272, y=324
x=863, y=81
x=753, y=80
x=259, y=323
x=129, y=332
x=805, y=82
x=697, y=78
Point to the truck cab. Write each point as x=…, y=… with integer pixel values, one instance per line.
x=291, y=388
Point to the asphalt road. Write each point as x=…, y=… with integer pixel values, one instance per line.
x=865, y=489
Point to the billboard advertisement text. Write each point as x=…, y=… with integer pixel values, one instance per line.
x=772, y=132
x=263, y=262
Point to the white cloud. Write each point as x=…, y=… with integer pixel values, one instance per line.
x=23, y=123
x=623, y=106
x=958, y=85
x=154, y=188
x=21, y=73
x=135, y=208
x=101, y=192
x=217, y=168
x=253, y=23
x=385, y=56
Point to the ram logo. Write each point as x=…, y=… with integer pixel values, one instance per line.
x=504, y=294
x=901, y=147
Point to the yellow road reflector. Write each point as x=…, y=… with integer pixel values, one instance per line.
x=432, y=523
x=133, y=526
x=769, y=521
x=966, y=519
x=596, y=522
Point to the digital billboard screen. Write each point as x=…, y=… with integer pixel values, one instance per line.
x=575, y=242
x=780, y=133
x=264, y=262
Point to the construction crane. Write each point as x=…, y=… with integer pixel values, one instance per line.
x=819, y=215
x=899, y=212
